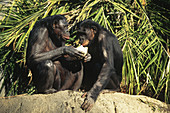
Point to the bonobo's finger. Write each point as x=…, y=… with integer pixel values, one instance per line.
x=74, y=51
x=85, y=94
x=71, y=51
x=78, y=53
x=84, y=105
x=89, y=107
x=87, y=57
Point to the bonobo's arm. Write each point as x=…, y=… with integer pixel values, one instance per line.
x=56, y=53
x=104, y=76
x=40, y=41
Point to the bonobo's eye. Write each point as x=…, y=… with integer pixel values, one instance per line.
x=62, y=24
x=66, y=26
x=55, y=24
x=81, y=29
x=94, y=28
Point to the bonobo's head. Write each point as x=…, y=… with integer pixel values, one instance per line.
x=60, y=27
x=87, y=31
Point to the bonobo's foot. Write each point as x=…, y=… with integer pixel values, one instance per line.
x=88, y=102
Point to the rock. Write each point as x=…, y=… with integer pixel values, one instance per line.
x=70, y=102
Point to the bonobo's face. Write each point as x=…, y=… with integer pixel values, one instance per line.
x=61, y=29
x=85, y=35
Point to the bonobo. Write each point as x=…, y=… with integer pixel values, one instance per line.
x=46, y=52
x=104, y=71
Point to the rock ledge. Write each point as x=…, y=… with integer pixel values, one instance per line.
x=70, y=102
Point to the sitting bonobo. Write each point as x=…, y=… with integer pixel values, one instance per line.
x=104, y=71
x=54, y=66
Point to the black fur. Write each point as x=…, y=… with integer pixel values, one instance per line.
x=104, y=71
x=46, y=56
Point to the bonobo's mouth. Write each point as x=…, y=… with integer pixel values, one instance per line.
x=66, y=37
x=85, y=43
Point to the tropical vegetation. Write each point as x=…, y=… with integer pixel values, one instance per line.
x=142, y=28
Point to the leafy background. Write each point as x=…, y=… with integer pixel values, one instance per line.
x=142, y=28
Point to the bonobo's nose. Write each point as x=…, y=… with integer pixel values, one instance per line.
x=67, y=33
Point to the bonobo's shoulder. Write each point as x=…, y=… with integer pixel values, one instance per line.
x=108, y=33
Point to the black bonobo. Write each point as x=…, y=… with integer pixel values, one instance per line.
x=104, y=71
x=46, y=52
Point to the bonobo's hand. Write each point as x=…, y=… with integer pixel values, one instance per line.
x=88, y=102
x=87, y=57
x=71, y=51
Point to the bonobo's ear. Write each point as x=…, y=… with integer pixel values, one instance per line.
x=94, y=29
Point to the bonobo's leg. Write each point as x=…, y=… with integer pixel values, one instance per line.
x=73, y=81
x=114, y=83
x=79, y=78
x=69, y=75
x=57, y=77
x=44, y=77
x=64, y=78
